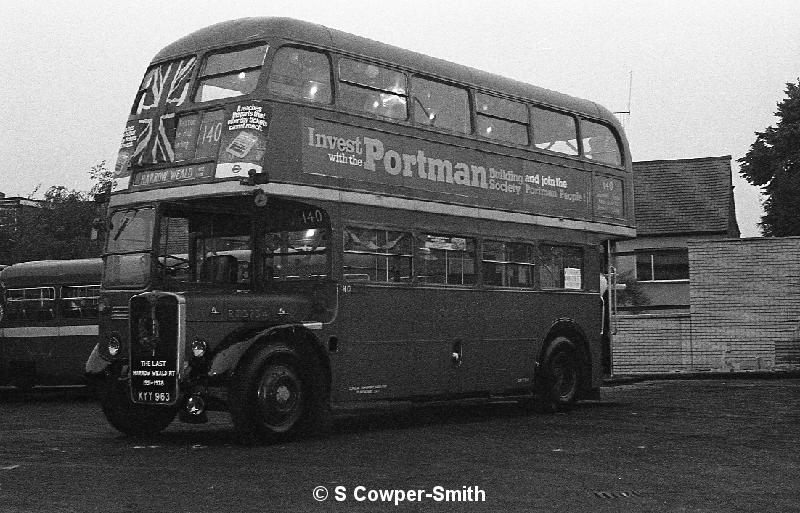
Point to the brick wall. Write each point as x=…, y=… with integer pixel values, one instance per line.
x=652, y=343
x=744, y=313
x=745, y=303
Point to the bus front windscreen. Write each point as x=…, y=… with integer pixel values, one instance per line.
x=127, y=258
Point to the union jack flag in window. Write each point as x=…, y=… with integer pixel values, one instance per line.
x=163, y=89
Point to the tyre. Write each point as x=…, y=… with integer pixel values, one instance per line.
x=274, y=398
x=128, y=417
x=557, y=383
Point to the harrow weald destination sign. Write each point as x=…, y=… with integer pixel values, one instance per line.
x=461, y=175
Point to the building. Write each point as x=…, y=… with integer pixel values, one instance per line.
x=676, y=201
x=10, y=209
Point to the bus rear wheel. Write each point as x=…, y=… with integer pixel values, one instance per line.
x=558, y=380
x=271, y=400
x=128, y=417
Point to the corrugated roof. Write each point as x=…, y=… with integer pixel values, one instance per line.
x=676, y=197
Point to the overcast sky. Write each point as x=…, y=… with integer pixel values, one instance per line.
x=705, y=75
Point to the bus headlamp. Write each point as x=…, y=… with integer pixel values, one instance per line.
x=113, y=345
x=199, y=348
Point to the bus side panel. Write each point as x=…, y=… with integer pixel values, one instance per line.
x=401, y=342
x=392, y=343
x=48, y=355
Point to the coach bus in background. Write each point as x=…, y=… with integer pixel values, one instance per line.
x=304, y=220
x=48, y=321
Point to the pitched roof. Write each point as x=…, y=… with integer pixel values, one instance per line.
x=678, y=197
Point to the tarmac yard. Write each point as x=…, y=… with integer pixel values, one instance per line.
x=676, y=445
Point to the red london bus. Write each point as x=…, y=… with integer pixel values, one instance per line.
x=48, y=321
x=304, y=220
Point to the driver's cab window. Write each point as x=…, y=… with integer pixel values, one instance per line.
x=295, y=243
x=204, y=248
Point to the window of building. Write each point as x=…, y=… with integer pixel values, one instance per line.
x=300, y=74
x=508, y=264
x=600, y=144
x=560, y=267
x=554, y=131
x=501, y=119
x=377, y=255
x=440, y=105
x=365, y=87
x=31, y=304
x=446, y=259
x=662, y=265
x=230, y=73
x=80, y=302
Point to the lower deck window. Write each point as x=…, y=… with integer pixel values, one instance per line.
x=560, y=267
x=80, y=302
x=296, y=255
x=446, y=260
x=31, y=304
x=508, y=264
x=377, y=255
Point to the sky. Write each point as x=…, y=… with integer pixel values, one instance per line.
x=698, y=77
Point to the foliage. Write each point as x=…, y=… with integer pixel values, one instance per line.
x=631, y=295
x=60, y=229
x=773, y=163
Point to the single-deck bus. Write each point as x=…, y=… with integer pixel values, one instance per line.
x=305, y=220
x=48, y=321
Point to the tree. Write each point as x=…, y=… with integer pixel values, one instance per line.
x=773, y=163
x=61, y=228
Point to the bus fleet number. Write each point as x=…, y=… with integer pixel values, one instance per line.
x=211, y=133
x=312, y=216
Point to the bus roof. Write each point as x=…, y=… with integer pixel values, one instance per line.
x=52, y=272
x=245, y=30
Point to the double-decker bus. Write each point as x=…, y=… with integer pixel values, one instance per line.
x=48, y=321
x=304, y=220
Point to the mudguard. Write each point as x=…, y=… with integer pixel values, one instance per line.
x=225, y=362
x=96, y=364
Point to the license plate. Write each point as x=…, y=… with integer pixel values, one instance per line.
x=154, y=381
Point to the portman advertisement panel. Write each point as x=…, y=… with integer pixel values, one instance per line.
x=242, y=138
x=418, y=168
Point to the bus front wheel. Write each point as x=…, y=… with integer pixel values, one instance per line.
x=128, y=417
x=271, y=400
x=558, y=380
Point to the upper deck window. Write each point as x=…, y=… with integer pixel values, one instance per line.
x=300, y=74
x=554, y=131
x=440, y=105
x=165, y=84
x=501, y=119
x=599, y=143
x=230, y=73
x=372, y=89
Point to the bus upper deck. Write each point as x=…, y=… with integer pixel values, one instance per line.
x=319, y=113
